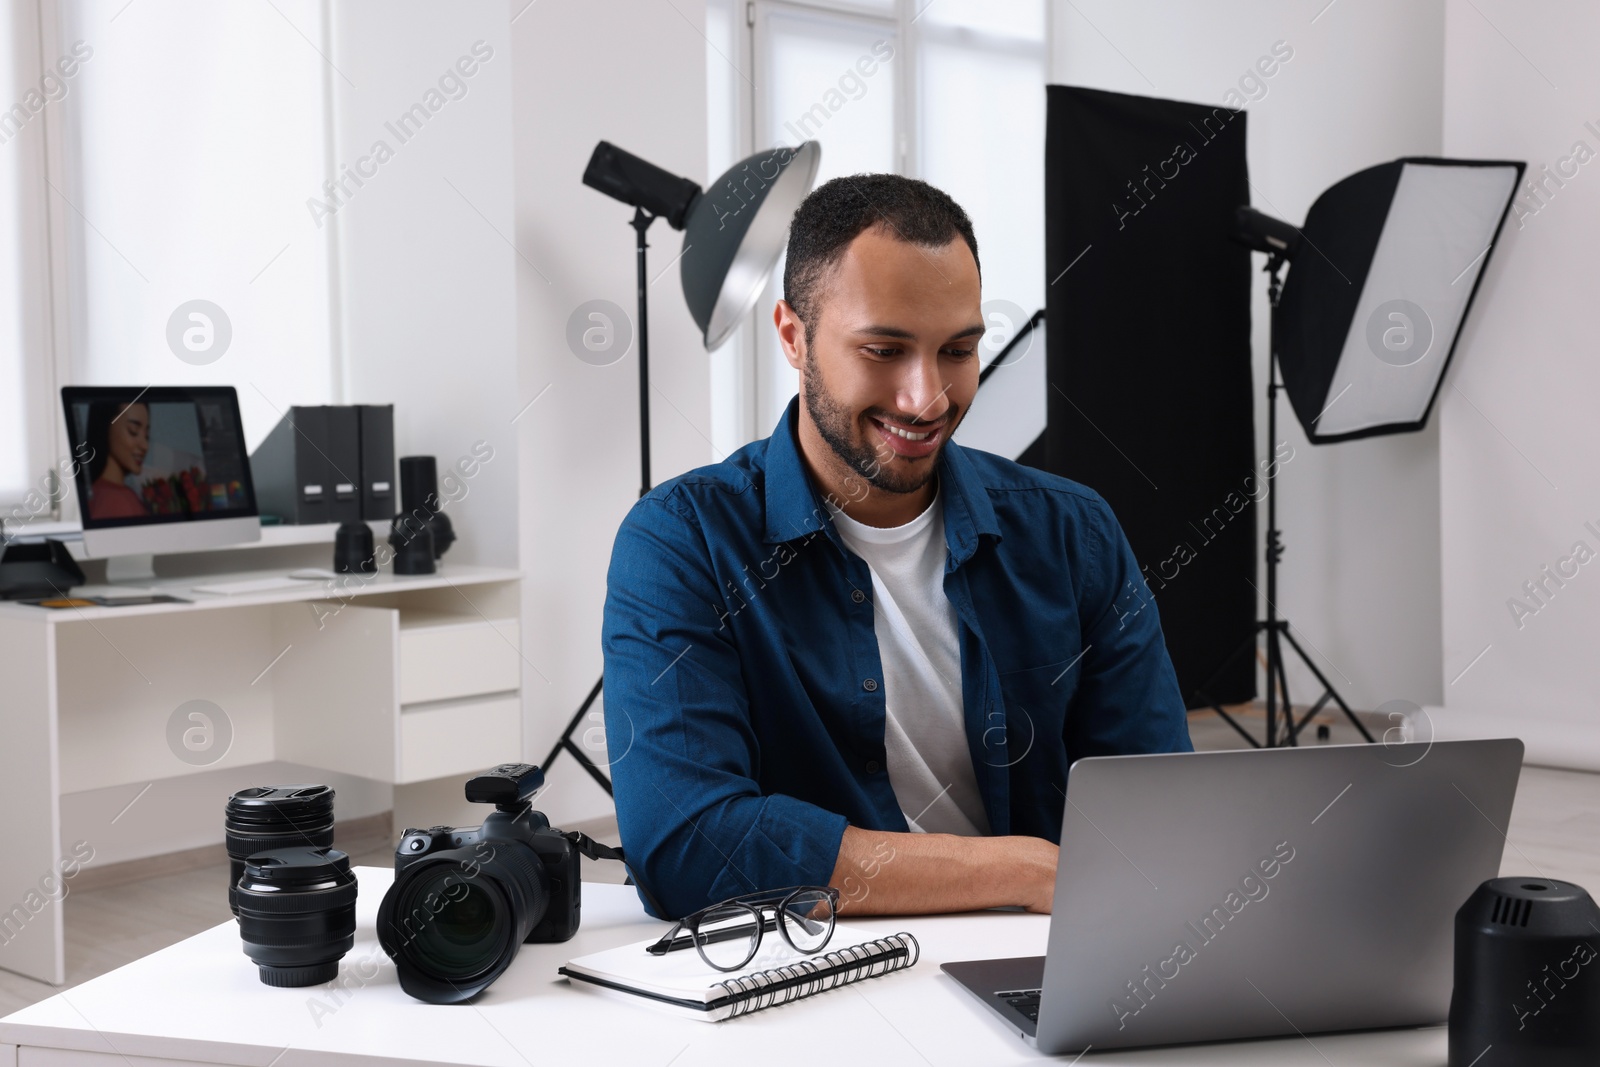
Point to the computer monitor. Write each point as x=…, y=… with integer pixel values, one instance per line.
x=160, y=468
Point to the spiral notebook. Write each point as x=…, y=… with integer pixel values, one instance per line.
x=683, y=984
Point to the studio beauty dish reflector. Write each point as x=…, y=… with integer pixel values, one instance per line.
x=737, y=230
x=734, y=230
x=1387, y=265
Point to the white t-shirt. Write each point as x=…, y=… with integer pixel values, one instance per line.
x=930, y=765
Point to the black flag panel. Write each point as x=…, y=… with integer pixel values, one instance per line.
x=1148, y=352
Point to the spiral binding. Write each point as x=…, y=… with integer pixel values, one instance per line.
x=818, y=974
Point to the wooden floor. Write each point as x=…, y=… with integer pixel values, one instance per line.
x=1555, y=828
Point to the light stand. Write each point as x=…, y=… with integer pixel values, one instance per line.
x=641, y=224
x=1365, y=357
x=738, y=227
x=1276, y=629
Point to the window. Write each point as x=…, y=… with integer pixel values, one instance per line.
x=191, y=142
x=154, y=157
x=27, y=425
x=955, y=96
x=981, y=112
x=812, y=86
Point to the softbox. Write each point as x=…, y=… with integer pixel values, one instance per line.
x=1389, y=261
x=1148, y=357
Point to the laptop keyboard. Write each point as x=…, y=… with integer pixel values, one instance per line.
x=1024, y=1000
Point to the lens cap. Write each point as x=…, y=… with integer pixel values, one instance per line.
x=274, y=805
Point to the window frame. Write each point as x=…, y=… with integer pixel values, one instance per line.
x=737, y=369
x=31, y=37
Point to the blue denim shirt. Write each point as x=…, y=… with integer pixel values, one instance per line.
x=744, y=704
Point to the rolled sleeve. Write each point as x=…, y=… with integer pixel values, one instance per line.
x=685, y=758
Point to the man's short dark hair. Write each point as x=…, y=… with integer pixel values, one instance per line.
x=840, y=210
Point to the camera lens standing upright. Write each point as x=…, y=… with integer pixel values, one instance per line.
x=420, y=500
x=274, y=816
x=464, y=898
x=297, y=913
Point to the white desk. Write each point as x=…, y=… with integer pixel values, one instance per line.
x=201, y=1002
x=394, y=678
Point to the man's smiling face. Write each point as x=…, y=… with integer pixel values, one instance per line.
x=891, y=364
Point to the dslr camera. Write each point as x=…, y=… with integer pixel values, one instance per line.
x=464, y=898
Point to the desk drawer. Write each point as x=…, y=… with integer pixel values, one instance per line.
x=444, y=661
x=459, y=737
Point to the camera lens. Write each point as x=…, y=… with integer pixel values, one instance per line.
x=473, y=924
x=274, y=816
x=452, y=922
x=297, y=913
x=412, y=541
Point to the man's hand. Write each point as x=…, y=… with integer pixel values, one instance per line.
x=882, y=873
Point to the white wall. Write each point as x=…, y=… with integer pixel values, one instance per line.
x=1360, y=576
x=632, y=73
x=1518, y=477
x=426, y=271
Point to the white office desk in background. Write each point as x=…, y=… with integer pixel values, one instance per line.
x=394, y=678
x=200, y=1002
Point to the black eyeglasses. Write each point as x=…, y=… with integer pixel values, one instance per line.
x=728, y=934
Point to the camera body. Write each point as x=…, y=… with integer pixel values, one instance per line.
x=526, y=830
x=465, y=898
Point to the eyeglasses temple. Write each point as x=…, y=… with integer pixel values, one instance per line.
x=664, y=946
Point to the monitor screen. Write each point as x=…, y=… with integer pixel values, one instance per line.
x=157, y=455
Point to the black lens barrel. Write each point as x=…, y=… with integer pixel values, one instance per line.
x=274, y=816
x=297, y=913
x=449, y=946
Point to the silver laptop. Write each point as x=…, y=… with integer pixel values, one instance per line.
x=1222, y=895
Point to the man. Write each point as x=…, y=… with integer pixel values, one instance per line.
x=856, y=653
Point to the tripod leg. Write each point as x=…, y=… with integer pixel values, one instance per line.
x=1357, y=723
x=1229, y=719
x=1273, y=655
x=587, y=764
x=1291, y=735
x=1247, y=645
x=1321, y=703
x=566, y=735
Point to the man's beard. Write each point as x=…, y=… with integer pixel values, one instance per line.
x=838, y=428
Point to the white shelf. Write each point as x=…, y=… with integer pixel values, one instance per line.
x=449, y=575
x=71, y=534
x=271, y=536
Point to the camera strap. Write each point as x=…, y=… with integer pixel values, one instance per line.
x=593, y=849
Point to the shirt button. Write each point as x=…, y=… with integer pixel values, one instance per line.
x=872, y=766
x=858, y=596
x=870, y=685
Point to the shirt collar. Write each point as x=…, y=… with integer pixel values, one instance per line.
x=791, y=502
x=794, y=508
x=968, y=513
